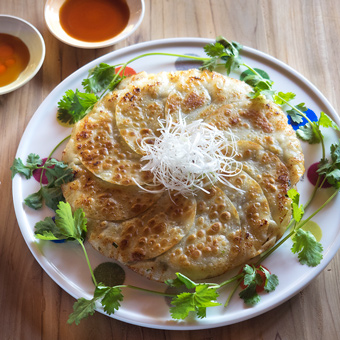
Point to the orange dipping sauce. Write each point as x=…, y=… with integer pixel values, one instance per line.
x=14, y=57
x=94, y=20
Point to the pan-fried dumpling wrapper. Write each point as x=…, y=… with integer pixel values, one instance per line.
x=97, y=144
x=262, y=122
x=195, y=91
x=147, y=99
x=231, y=227
x=103, y=200
x=148, y=235
x=272, y=175
x=139, y=108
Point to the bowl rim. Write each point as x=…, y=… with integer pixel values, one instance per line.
x=91, y=45
x=9, y=88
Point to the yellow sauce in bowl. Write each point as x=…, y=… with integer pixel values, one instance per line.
x=14, y=57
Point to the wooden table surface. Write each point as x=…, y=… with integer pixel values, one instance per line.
x=302, y=33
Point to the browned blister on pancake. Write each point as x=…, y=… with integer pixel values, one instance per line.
x=148, y=235
x=262, y=122
x=102, y=200
x=233, y=224
x=139, y=108
x=198, y=93
x=272, y=175
x=206, y=250
x=98, y=145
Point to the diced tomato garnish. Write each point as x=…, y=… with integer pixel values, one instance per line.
x=128, y=71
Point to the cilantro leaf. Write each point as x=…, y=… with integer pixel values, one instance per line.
x=247, y=73
x=99, y=78
x=198, y=301
x=309, y=133
x=183, y=304
x=111, y=300
x=272, y=280
x=294, y=113
x=298, y=211
x=32, y=163
x=65, y=226
x=189, y=284
x=308, y=249
x=282, y=98
x=224, y=50
x=48, y=230
x=73, y=227
x=250, y=274
x=35, y=200
x=327, y=122
x=82, y=308
x=75, y=105
x=51, y=194
x=249, y=295
x=331, y=169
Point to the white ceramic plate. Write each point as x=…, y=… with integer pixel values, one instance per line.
x=65, y=262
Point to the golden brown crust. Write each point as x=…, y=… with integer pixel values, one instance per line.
x=201, y=236
x=103, y=200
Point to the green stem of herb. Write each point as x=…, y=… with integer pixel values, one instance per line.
x=88, y=262
x=50, y=156
x=147, y=55
x=271, y=250
x=252, y=70
x=146, y=290
x=57, y=146
x=234, y=278
x=232, y=292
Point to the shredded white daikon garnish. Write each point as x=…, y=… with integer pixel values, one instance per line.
x=190, y=157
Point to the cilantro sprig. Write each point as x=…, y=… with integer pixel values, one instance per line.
x=57, y=173
x=255, y=277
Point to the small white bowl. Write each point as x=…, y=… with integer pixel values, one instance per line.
x=34, y=42
x=52, y=8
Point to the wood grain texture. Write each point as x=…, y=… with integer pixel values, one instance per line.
x=304, y=34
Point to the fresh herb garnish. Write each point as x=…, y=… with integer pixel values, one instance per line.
x=255, y=279
x=203, y=296
x=75, y=105
x=57, y=173
x=227, y=51
x=330, y=170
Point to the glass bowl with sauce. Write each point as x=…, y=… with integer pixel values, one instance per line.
x=93, y=23
x=22, y=52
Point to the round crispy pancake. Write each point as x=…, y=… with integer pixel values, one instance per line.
x=96, y=143
x=103, y=200
x=231, y=227
x=148, y=235
x=201, y=236
x=272, y=175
